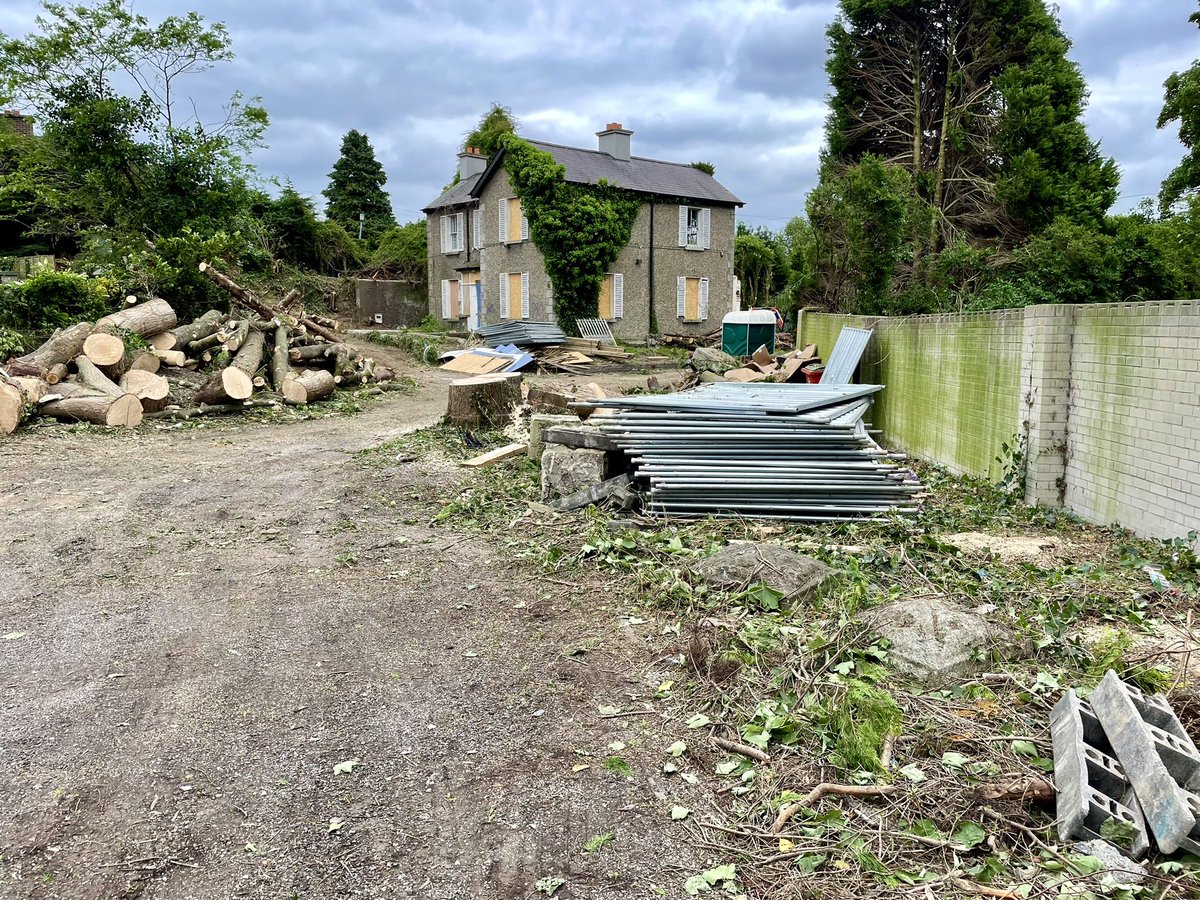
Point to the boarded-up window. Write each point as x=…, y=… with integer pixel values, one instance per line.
x=612, y=296
x=692, y=300
x=517, y=295
x=516, y=224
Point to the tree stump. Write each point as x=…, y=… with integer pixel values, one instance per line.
x=484, y=400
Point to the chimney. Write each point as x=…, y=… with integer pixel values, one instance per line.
x=614, y=140
x=471, y=162
x=18, y=123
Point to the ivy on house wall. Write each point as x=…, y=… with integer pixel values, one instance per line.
x=578, y=228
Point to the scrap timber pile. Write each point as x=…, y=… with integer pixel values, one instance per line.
x=798, y=452
x=141, y=361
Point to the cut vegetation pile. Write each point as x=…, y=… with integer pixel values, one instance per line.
x=140, y=361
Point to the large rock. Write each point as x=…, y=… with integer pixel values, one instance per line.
x=741, y=565
x=710, y=359
x=931, y=639
x=539, y=422
x=565, y=470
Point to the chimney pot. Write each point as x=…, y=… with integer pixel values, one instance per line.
x=613, y=126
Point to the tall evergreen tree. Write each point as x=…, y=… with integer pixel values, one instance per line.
x=977, y=99
x=356, y=186
x=1182, y=105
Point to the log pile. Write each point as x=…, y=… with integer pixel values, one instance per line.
x=141, y=361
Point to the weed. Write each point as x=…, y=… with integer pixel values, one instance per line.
x=598, y=842
x=618, y=766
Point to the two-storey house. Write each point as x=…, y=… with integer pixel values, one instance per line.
x=675, y=275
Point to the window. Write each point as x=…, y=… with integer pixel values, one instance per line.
x=695, y=226
x=612, y=297
x=514, y=227
x=692, y=299
x=514, y=295
x=452, y=308
x=453, y=228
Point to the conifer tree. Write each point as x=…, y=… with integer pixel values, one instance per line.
x=356, y=186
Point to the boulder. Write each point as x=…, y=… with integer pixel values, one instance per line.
x=931, y=639
x=710, y=359
x=740, y=565
x=565, y=470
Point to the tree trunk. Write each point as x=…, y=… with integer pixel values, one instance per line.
x=57, y=373
x=235, y=381
x=152, y=317
x=383, y=373
x=145, y=361
x=180, y=337
x=174, y=358
x=308, y=385
x=62, y=347
x=104, y=349
x=485, y=400
x=100, y=409
x=246, y=298
x=312, y=353
x=152, y=390
x=236, y=337
x=12, y=407
x=280, y=368
x=90, y=375
x=208, y=341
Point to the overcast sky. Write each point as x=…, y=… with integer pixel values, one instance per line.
x=739, y=83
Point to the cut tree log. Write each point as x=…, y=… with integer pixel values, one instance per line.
x=174, y=358
x=91, y=376
x=247, y=299
x=179, y=338
x=281, y=369
x=312, y=353
x=32, y=389
x=308, y=385
x=383, y=373
x=100, y=409
x=145, y=385
x=236, y=336
x=12, y=407
x=216, y=339
x=104, y=349
x=486, y=400
x=145, y=361
x=62, y=347
x=235, y=381
x=57, y=373
x=152, y=317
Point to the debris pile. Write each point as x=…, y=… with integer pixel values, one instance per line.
x=796, y=452
x=514, y=345
x=523, y=334
x=141, y=362
x=716, y=365
x=1126, y=770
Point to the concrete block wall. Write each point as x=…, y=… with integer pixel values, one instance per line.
x=1106, y=397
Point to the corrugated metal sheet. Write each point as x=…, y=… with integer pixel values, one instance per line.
x=847, y=353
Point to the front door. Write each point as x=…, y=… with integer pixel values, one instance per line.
x=474, y=302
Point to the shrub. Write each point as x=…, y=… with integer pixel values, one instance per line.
x=50, y=299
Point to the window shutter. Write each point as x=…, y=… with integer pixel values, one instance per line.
x=705, y=226
x=445, y=234
x=524, y=228
x=503, y=295
x=703, y=299
x=503, y=220
x=681, y=299
x=618, y=296
x=462, y=231
x=445, y=298
x=683, y=227
x=477, y=231
x=524, y=295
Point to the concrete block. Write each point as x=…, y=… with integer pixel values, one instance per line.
x=1169, y=815
x=538, y=423
x=1092, y=787
x=566, y=471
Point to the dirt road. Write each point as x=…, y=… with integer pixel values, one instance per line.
x=198, y=625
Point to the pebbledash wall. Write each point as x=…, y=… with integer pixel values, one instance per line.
x=1105, y=396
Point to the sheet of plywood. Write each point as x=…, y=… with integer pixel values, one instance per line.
x=506, y=452
x=477, y=363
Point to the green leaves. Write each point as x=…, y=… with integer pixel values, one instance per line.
x=679, y=813
x=598, y=842
x=969, y=834
x=706, y=881
x=699, y=720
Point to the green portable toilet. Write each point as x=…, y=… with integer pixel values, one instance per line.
x=744, y=332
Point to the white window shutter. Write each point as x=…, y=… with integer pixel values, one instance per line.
x=503, y=220
x=445, y=298
x=703, y=299
x=504, y=295
x=477, y=231
x=462, y=231
x=524, y=295
x=524, y=228
x=705, y=228
x=681, y=299
x=618, y=296
x=683, y=226
x=445, y=234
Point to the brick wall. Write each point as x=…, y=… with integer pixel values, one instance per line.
x=1105, y=396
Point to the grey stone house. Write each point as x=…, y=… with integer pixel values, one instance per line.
x=678, y=264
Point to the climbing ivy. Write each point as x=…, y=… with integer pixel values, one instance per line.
x=578, y=228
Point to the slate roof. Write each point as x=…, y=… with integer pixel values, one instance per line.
x=459, y=193
x=647, y=176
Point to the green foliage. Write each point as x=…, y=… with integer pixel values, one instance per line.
x=754, y=265
x=118, y=149
x=859, y=219
x=858, y=723
x=402, y=252
x=12, y=342
x=488, y=136
x=706, y=167
x=356, y=186
x=579, y=228
x=49, y=300
x=290, y=223
x=1182, y=104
